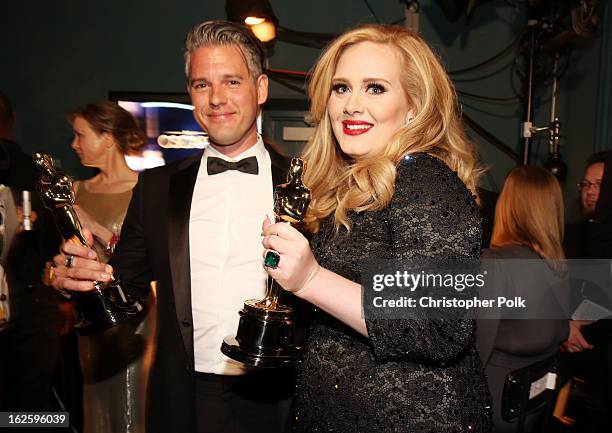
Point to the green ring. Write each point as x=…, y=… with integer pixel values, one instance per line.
x=272, y=259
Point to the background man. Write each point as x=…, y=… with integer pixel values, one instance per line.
x=32, y=334
x=16, y=168
x=580, y=237
x=589, y=344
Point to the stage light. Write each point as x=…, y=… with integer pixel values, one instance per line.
x=264, y=31
x=253, y=21
x=257, y=14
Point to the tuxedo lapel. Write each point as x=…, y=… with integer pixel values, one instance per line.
x=280, y=165
x=180, y=194
x=279, y=175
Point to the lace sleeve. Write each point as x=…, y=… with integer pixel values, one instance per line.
x=432, y=215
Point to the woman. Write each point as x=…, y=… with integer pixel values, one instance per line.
x=528, y=226
x=391, y=174
x=114, y=363
x=103, y=134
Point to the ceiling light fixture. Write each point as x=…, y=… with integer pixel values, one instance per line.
x=257, y=14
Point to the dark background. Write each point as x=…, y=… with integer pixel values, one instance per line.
x=56, y=55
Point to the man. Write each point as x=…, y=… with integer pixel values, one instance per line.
x=194, y=227
x=16, y=168
x=581, y=237
x=32, y=334
x=590, y=185
x=589, y=343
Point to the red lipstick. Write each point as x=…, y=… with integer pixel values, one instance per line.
x=355, y=127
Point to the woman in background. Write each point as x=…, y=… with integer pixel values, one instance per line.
x=103, y=134
x=392, y=178
x=115, y=362
x=528, y=225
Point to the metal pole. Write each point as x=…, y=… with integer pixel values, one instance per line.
x=529, y=94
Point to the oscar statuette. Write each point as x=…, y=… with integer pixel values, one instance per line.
x=266, y=331
x=106, y=305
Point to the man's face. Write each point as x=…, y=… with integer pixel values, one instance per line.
x=226, y=97
x=589, y=187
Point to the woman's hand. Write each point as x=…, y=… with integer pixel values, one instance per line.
x=299, y=272
x=297, y=266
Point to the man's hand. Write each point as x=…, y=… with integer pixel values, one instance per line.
x=84, y=267
x=576, y=341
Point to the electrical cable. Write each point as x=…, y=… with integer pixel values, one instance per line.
x=489, y=60
x=542, y=71
x=503, y=71
x=307, y=39
x=288, y=85
x=294, y=74
x=490, y=138
x=371, y=10
x=489, y=98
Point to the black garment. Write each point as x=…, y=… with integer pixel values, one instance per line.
x=488, y=201
x=409, y=376
x=574, y=239
x=17, y=169
x=506, y=345
x=599, y=240
x=242, y=404
x=154, y=245
x=592, y=239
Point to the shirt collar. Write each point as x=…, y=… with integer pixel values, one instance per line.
x=258, y=150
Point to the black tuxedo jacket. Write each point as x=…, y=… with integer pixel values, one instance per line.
x=154, y=246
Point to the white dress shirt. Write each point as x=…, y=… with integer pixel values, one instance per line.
x=225, y=252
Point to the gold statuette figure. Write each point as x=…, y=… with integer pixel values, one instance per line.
x=106, y=305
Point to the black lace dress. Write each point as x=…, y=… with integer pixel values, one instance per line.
x=409, y=376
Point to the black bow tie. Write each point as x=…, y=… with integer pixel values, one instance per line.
x=218, y=165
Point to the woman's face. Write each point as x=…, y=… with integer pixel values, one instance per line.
x=89, y=146
x=367, y=104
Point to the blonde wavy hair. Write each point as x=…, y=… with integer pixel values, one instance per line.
x=529, y=212
x=339, y=184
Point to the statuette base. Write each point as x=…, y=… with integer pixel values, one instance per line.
x=265, y=336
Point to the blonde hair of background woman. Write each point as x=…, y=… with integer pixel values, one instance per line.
x=339, y=184
x=529, y=212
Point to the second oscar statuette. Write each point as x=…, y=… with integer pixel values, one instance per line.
x=106, y=305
